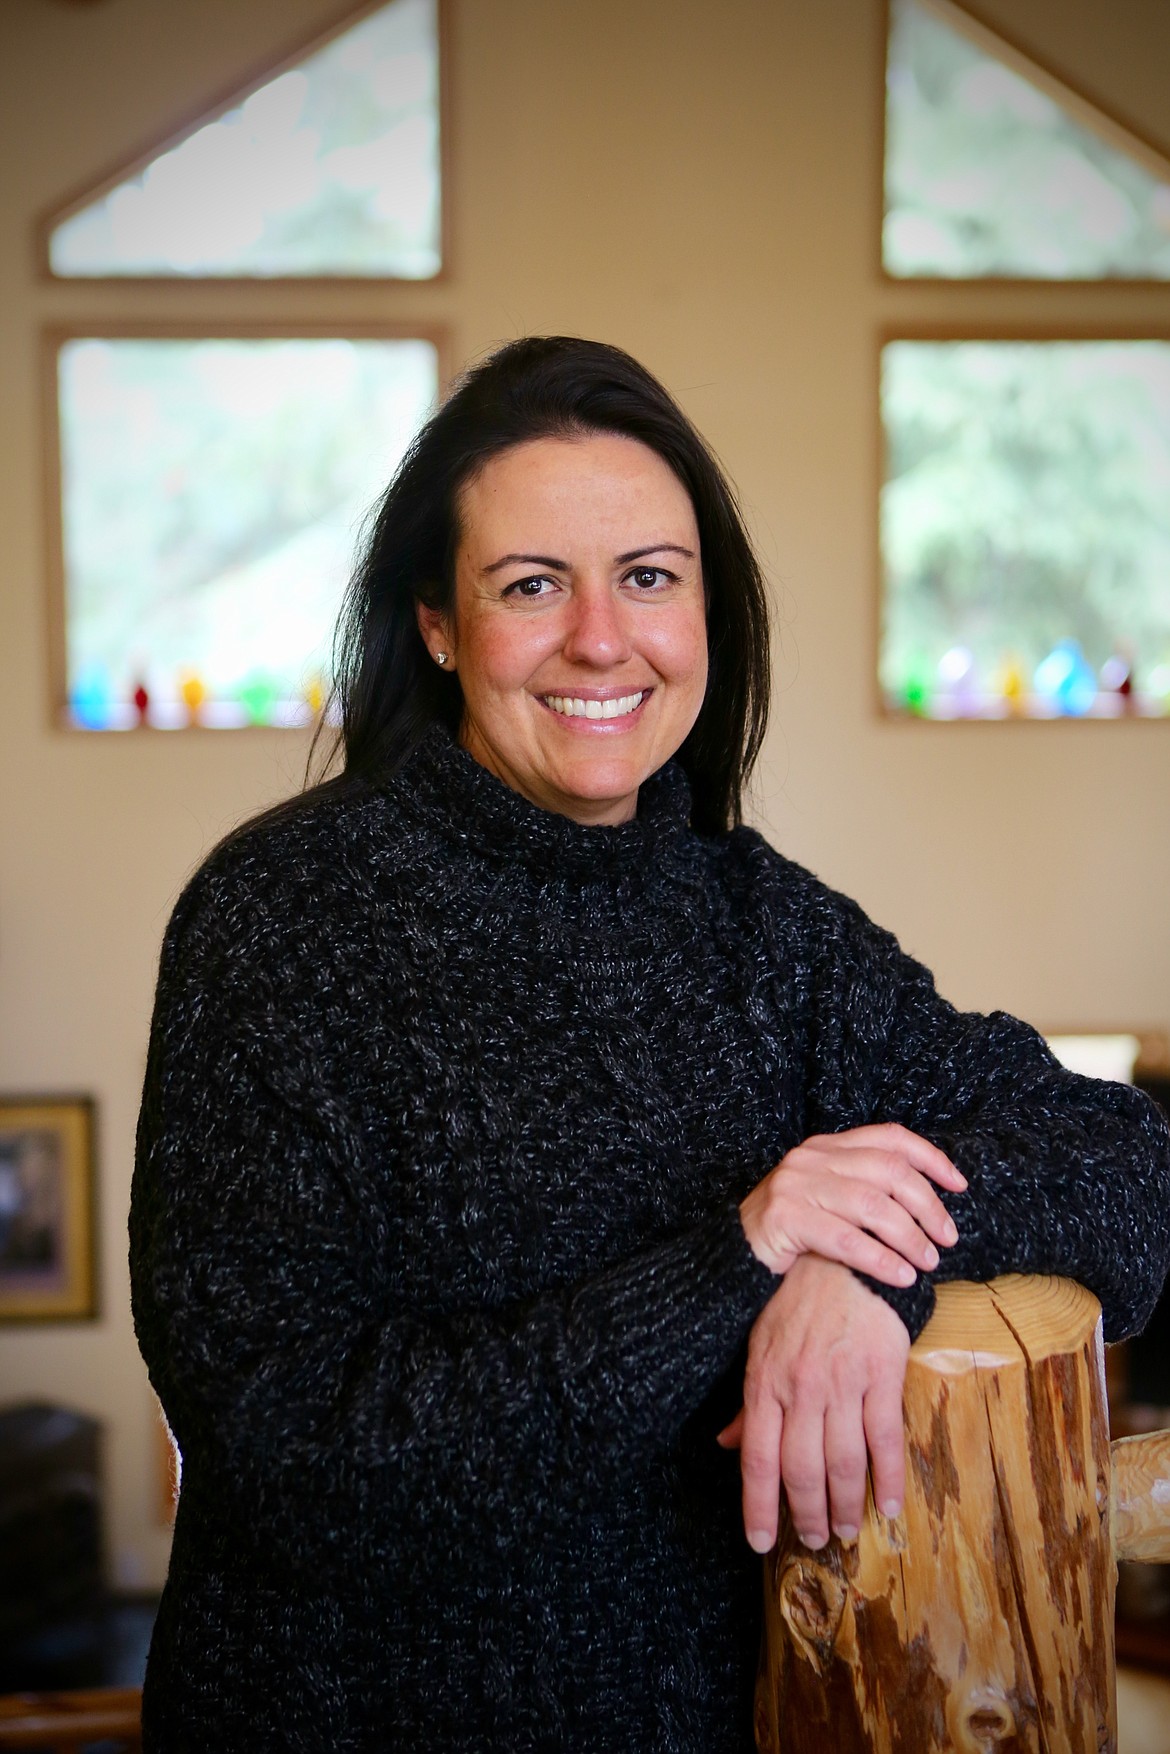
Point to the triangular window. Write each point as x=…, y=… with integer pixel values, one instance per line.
x=329, y=168
x=995, y=168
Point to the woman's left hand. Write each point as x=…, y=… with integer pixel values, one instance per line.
x=826, y=1364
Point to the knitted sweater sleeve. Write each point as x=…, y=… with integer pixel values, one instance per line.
x=327, y=1412
x=1067, y=1175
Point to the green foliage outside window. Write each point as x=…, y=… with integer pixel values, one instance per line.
x=1025, y=527
x=331, y=168
x=212, y=494
x=987, y=175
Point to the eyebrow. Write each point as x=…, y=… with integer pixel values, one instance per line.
x=555, y=565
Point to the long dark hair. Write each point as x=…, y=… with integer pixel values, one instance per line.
x=388, y=688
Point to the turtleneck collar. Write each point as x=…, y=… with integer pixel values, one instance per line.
x=447, y=789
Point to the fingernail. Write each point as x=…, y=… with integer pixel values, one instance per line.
x=950, y=1233
x=891, y=1508
x=906, y=1274
x=845, y=1532
x=813, y=1541
x=760, y=1541
x=962, y=1180
x=931, y=1257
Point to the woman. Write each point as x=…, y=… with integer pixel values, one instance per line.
x=503, y=1088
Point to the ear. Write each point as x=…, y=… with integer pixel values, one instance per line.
x=436, y=635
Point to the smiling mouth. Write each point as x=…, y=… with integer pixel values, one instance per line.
x=618, y=706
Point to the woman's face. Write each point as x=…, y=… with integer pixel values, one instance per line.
x=579, y=631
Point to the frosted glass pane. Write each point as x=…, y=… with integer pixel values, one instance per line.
x=986, y=175
x=212, y=494
x=1025, y=528
x=331, y=168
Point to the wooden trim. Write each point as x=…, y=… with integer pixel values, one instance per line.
x=1153, y=1058
x=888, y=716
x=246, y=329
x=1017, y=721
x=1039, y=334
x=877, y=592
x=53, y=525
x=53, y=337
x=1034, y=282
x=1090, y=110
x=210, y=111
x=443, y=35
x=70, y=1721
x=883, y=142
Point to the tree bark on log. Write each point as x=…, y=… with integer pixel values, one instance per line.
x=982, y=1618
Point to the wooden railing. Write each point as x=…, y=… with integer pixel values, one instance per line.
x=983, y=1617
x=69, y=1722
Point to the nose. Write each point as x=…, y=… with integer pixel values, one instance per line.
x=598, y=634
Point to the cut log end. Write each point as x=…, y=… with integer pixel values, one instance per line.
x=1021, y=1315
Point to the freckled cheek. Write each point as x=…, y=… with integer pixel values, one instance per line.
x=504, y=659
x=682, y=653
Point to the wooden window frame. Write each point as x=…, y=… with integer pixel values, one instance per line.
x=940, y=330
x=966, y=309
x=53, y=338
x=211, y=110
x=1089, y=109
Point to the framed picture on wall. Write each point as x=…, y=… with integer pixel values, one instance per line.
x=46, y=1209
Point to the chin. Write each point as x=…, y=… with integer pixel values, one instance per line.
x=597, y=783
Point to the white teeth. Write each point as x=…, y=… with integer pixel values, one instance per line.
x=572, y=708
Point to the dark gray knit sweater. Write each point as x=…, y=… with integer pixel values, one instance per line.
x=438, y=1270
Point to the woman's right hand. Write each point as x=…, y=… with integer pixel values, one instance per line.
x=862, y=1197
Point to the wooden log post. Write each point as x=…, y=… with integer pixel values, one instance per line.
x=981, y=1619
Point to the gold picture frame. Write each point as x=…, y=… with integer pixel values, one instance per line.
x=47, y=1269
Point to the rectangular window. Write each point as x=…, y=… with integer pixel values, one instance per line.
x=1025, y=528
x=212, y=495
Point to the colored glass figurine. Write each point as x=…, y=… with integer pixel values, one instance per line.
x=958, y=684
x=92, y=700
x=1067, y=680
x=1011, y=686
x=916, y=687
x=193, y=694
x=258, y=696
x=1117, y=678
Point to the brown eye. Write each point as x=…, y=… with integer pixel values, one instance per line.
x=528, y=588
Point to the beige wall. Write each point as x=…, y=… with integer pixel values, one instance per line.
x=699, y=183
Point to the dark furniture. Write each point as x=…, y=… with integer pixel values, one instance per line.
x=1140, y=1401
x=52, y=1575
